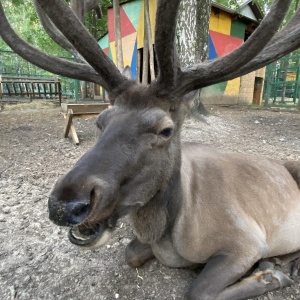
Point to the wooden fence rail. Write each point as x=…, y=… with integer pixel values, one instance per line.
x=30, y=86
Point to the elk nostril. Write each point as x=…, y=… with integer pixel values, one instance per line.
x=77, y=212
x=81, y=210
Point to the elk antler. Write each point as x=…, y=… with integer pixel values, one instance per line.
x=166, y=53
x=221, y=69
x=283, y=42
x=264, y=46
x=48, y=62
x=54, y=33
x=83, y=42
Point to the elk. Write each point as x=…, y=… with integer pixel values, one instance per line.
x=188, y=204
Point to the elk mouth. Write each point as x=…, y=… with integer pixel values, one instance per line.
x=94, y=236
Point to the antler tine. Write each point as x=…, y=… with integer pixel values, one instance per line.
x=166, y=17
x=48, y=62
x=284, y=42
x=54, y=33
x=214, y=71
x=83, y=42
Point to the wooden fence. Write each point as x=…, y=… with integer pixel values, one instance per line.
x=30, y=87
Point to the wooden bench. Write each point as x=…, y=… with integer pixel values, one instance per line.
x=71, y=111
x=33, y=87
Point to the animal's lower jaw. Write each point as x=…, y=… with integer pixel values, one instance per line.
x=92, y=238
x=92, y=242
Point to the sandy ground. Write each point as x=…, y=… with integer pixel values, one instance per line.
x=36, y=259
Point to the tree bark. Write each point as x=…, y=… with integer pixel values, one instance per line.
x=118, y=40
x=192, y=38
x=147, y=25
x=145, y=49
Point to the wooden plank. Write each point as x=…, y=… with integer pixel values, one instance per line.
x=81, y=109
x=1, y=87
x=32, y=90
x=26, y=89
x=58, y=84
x=45, y=90
x=15, y=90
x=23, y=83
x=39, y=91
x=8, y=90
x=68, y=122
x=73, y=132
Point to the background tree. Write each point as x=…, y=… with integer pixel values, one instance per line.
x=148, y=53
x=118, y=39
x=192, y=39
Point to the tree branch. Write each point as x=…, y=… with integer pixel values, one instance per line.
x=220, y=69
x=47, y=62
x=83, y=42
x=166, y=54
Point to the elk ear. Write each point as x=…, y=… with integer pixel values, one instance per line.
x=189, y=98
x=127, y=73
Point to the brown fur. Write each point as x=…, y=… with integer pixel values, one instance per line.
x=188, y=204
x=294, y=168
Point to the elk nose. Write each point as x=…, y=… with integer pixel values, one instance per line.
x=68, y=214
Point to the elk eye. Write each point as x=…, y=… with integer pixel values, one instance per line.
x=166, y=132
x=99, y=126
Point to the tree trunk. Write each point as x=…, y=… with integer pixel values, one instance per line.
x=147, y=25
x=146, y=46
x=192, y=38
x=118, y=40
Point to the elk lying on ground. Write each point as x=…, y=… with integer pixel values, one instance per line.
x=188, y=204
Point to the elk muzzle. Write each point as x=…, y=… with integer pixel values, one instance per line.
x=68, y=214
x=86, y=205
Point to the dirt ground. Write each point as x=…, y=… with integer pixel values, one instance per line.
x=36, y=259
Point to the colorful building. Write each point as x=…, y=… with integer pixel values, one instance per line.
x=228, y=29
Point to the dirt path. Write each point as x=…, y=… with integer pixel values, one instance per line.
x=36, y=259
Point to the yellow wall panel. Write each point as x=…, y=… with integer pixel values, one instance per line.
x=233, y=87
x=112, y=46
x=140, y=29
x=220, y=22
x=128, y=43
x=152, y=11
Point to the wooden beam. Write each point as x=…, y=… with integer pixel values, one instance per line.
x=73, y=131
x=68, y=122
x=81, y=109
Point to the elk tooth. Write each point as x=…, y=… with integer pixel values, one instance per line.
x=78, y=235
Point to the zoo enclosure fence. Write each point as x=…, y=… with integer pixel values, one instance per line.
x=30, y=87
x=282, y=82
x=12, y=66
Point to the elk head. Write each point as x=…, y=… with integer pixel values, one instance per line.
x=133, y=160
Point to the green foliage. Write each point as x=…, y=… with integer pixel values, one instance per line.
x=23, y=18
x=95, y=26
x=263, y=4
